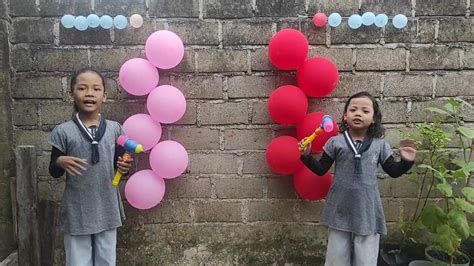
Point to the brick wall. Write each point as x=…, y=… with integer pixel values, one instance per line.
x=228, y=207
x=7, y=166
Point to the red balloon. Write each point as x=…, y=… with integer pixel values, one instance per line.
x=320, y=19
x=288, y=49
x=283, y=156
x=287, y=105
x=311, y=186
x=317, y=77
x=309, y=124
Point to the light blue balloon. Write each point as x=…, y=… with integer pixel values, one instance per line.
x=381, y=20
x=400, y=21
x=93, y=21
x=368, y=18
x=334, y=19
x=106, y=22
x=120, y=22
x=68, y=21
x=80, y=23
x=355, y=21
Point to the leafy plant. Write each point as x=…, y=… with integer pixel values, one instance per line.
x=447, y=172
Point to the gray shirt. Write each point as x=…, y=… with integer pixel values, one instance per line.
x=353, y=203
x=90, y=204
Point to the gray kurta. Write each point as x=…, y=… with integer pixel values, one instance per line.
x=353, y=203
x=91, y=204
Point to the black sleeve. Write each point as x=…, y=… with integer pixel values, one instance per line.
x=119, y=151
x=54, y=170
x=318, y=167
x=396, y=169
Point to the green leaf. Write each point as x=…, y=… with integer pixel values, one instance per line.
x=450, y=107
x=469, y=193
x=445, y=189
x=455, y=102
x=464, y=205
x=460, y=174
x=437, y=110
x=466, y=132
x=414, y=177
x=457, y=220
x=427, y=166
x=432, y=216
x=447, y=239
x=469, y=166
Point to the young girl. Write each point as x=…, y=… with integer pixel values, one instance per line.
x=85, y=149
x=353, y=211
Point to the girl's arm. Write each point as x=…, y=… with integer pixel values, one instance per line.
x=54, y=170
x=396, y=169
x=318, y=167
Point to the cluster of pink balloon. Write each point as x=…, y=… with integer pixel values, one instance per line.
x=288, y=104
x=165, y=104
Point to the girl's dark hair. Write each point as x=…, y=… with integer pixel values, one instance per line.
x=74, y=76
x=85, y=70
x=376, y=130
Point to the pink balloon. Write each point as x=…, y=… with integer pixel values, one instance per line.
x=144, y=189
x=320, y=19
x=168, y=159
x=143, y=129
x=164, y=49
x=138, y=77
x=166, y=104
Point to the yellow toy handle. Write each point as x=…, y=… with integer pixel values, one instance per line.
x=310, y=139
x=118, y=175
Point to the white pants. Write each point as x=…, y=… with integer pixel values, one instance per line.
x=346, y=249
x=87, y=250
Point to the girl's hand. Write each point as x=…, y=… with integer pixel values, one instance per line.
x=307, y=149
x=124, y=165
x=407, y=150
x=72, y=165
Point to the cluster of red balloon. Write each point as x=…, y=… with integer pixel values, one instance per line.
x=288, y=104
x=165, y=104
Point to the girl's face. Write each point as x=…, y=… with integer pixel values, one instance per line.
x=359, y=113
x=88, y=92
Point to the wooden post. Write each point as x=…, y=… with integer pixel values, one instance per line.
x=29, y=249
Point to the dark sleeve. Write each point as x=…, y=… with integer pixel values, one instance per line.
x=54, y=170
x=119, y=151
x=396, y=169
x=318, y=167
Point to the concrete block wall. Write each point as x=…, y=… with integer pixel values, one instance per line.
x=7, y=160
x=229, y=207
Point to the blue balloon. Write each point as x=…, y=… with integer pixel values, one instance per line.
x=80, y=23
x=68, y=21
x=106, y=22
x=368, y=18
x=334, y=19
x=399, y=21
x=355, y=21
x=120, y=22
x=93, y=20
x=381, y=20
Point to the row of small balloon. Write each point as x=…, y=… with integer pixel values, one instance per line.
x=288, y=105
x=81, y=23
x=165, y=104
x=355, y=21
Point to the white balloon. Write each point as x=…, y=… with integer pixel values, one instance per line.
x=136, y=21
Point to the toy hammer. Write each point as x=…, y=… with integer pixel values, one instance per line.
x=326, y=125
x=130, y=147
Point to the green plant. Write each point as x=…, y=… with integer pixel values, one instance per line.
x=447, y=172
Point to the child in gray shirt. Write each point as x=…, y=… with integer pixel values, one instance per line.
x=353, y=211
x=85, y=149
